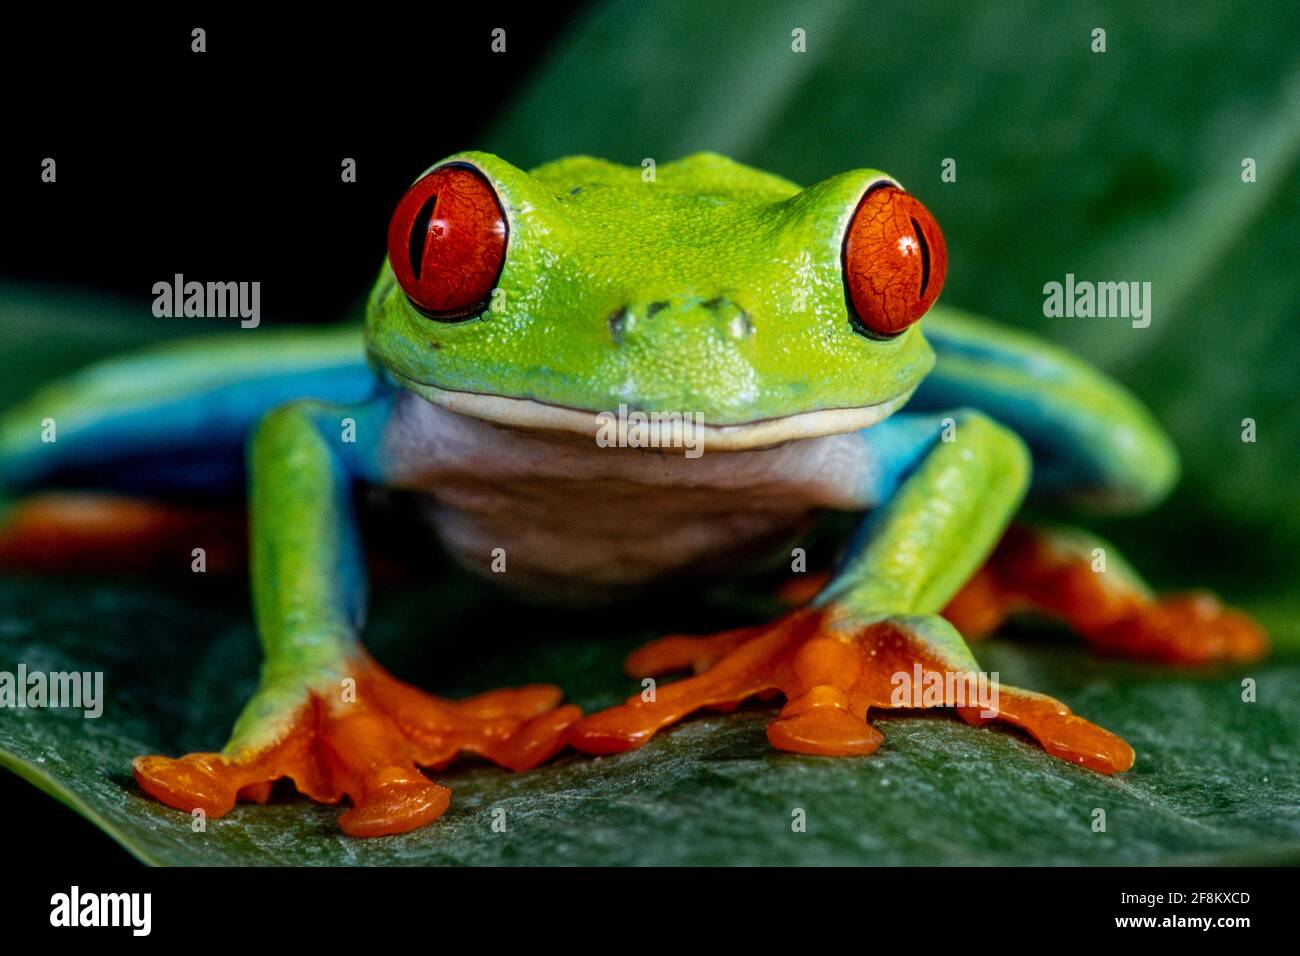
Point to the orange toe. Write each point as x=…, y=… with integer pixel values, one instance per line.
x=1033, y=570
x=194, y=782
x=802, y=588
x=821, y=722
x=683, y=652
x=395, y=806
x=1183, y=629
x=1059, y=731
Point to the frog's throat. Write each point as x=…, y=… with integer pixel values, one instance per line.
x=532, y=415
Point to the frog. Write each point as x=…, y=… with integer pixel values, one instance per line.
x=790, y=335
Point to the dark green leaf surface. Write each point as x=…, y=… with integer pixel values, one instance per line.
x=1216, y=779
x=1118, y=166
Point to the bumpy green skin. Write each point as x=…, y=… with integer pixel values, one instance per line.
x=710, y=238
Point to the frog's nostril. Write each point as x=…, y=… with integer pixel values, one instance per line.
x=719, y=315
x=730, y=316
x=620, y=320
x=741, y=326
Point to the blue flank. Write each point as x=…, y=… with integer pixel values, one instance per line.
x=895, y=447
x=1065, y=460
x=1092, y=442
x=192, y=444
x=359, y=459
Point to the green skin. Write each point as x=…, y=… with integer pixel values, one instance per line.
x=715, y=289
x=706, y=227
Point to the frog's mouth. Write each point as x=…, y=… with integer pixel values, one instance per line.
x=668, y=431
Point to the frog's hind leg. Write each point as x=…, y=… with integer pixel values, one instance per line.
x=173, y=420
x=58, y=531
x=1080, y=579
x=1095, y=445
x=134, y=462
x=99, y=532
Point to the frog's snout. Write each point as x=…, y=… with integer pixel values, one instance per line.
x=668, y=318
x=688, y=353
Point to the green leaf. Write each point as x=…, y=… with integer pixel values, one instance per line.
x=1215, y=780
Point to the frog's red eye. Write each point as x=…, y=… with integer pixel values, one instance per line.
x=447, y=242
x=894, y=261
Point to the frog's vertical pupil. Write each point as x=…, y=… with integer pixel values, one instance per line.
x=925, y=256
x=420, y=234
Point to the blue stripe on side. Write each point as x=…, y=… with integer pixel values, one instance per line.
x=195, y=443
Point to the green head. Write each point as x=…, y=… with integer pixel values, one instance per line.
x=703, y=287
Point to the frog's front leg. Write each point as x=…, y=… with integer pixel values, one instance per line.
x=876, y=627
x=325, y=714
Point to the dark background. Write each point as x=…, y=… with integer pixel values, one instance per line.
x=227, y=164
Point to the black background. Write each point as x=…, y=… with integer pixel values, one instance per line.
x=224, y=166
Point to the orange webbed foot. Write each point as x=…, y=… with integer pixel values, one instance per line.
x=1052, y=573
x=1182, y=629
x=833, y=670
x=369, y=746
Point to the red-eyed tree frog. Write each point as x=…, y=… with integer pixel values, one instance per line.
x=778, y=355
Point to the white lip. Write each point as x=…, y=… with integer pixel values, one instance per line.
x=526, y=413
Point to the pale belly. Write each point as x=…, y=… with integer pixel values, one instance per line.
x=571, y=521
